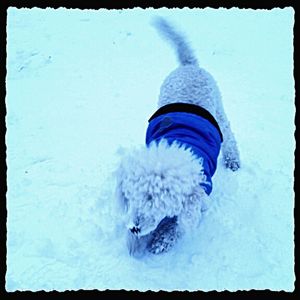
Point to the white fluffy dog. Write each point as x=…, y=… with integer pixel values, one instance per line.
x=164, y=187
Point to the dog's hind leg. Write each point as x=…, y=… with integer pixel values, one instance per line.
x=230, y=151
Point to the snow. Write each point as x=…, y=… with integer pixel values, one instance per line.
x=81, y=85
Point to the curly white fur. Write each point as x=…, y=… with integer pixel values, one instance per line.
x=160, y=181
x=164, y=181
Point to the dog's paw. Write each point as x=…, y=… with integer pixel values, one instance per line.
x=232, y=163
x=165, y=236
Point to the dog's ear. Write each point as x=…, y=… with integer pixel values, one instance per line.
x=193, y=206
x=123, y=202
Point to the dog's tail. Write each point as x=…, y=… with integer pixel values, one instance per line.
x=184, y=52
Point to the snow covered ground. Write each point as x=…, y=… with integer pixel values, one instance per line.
x=81, y=85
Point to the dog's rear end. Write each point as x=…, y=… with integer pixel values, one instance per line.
x=191, y=84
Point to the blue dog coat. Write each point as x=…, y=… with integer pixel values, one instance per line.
x=189, y=125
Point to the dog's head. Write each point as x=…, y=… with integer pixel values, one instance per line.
x=159, y=181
